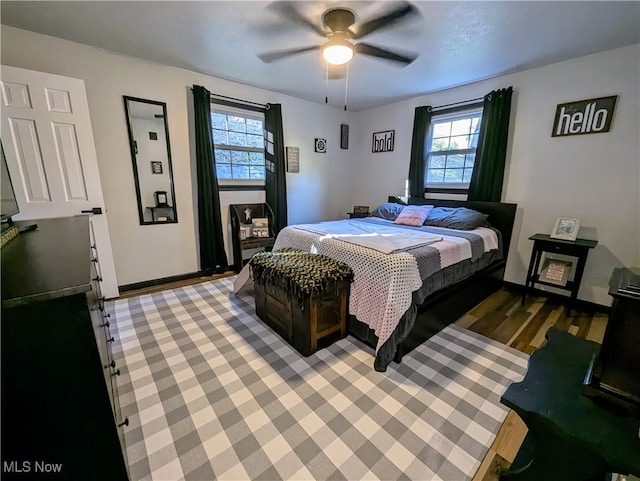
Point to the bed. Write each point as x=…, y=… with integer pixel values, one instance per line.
x=410, y=282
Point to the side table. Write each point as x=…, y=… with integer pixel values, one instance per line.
x=357, y=215
x=574, y=437
x=544, y=243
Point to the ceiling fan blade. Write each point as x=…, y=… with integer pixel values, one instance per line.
x=372, y=50
x=291, y=12
x=269, y=57
x=400, y=12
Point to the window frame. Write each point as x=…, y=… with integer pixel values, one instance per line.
x=248, y=112
x=448, y=115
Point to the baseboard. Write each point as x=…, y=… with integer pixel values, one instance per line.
x=580, y=304
x=164, y=280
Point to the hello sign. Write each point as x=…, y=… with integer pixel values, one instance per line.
x=584, y=117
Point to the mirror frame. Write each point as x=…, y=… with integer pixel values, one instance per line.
x=134, y=154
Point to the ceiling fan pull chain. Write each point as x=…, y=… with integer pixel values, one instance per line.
x=346, y=85
x=326, y=83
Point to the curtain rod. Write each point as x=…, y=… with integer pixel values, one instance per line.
x=457, y=103
x=233, y=99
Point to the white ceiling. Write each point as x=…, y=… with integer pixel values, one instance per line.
x=458, y=42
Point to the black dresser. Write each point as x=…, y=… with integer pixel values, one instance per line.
x=60, y=411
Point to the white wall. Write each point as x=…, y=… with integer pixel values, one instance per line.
x=595, y=177
x=149, y=252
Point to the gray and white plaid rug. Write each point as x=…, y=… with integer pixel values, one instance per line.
x=212, y=393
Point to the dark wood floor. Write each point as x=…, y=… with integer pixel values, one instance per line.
x=502, y=317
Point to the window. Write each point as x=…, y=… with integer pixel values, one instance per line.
x=238, y=139
x=451, y=149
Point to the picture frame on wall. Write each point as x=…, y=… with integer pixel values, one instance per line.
x=344, y=136
x=383, y=141
x=566, y=228
x=293, y=159
x=320, y=145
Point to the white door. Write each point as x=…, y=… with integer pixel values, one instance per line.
x=51, y=155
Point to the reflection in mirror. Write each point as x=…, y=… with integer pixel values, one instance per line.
x=151, y=155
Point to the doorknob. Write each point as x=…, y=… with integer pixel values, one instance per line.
x=94, y=211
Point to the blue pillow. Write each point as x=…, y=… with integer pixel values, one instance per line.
x=459, y=218
x=388, y=211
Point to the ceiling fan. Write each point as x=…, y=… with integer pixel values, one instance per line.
x=340, y=29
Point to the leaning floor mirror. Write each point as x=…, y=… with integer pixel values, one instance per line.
x=151, y=155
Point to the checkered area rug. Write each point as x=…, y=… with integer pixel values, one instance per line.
x=212, y=393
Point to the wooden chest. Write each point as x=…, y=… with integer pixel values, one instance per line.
x=316, y=322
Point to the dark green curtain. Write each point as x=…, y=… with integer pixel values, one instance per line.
x=488, y=170
x=213, y=257
x=417, y=165
x=275, y=171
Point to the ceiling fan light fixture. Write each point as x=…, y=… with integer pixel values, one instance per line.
x=337, y=52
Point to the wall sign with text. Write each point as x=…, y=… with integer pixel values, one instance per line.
x=383, y=141
x=293, y=159
x=584, y=117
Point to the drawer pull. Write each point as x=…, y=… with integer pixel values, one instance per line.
x=112, y=364
x=105, y=324
x=95, y=259
x=124, y=423
x=97, y=279
x=115, y=373
x=111, y=339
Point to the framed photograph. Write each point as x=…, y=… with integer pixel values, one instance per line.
x=245, y=231
x=260, y=227
x=565, y=228
x=556, y=271
x=156, y=167
x=161, y=198
x=360, y=209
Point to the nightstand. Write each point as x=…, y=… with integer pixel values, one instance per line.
x=544, y=243
x=358, y=215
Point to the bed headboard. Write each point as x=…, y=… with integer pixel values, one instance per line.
x=501, y=215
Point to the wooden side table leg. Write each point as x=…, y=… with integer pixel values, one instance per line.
x=577, y=279
x=533, y=266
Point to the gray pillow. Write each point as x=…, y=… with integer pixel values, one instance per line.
x=456, y=218
x=388, y=211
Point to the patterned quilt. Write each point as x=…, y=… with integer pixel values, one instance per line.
x=383, y=284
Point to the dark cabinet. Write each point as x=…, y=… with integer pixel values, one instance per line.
x=245, y=236
x=59, y=394
x=613, y=375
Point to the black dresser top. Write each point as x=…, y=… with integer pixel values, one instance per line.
x=49, y=262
